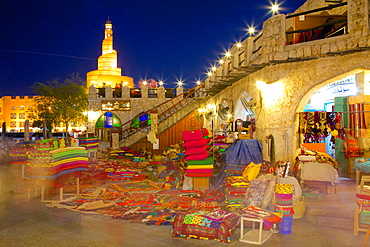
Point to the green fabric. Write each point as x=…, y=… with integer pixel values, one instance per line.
x=207, y=161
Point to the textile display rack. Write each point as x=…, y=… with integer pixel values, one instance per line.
x=317, y=170
x=199, y=162
x=254, y=236
x=53, y=167
x=266, y=220
x=362, y=211
x=362, y=165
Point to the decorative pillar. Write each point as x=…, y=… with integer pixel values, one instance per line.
x=154, y=119
x=161, y=93
x=3, y=136
x=125, y=92
x=179, y=90
x=144, y=92
x=360, y=83
x=26, y=131
x=92, y=92
x=108, y=92
x=114, y=138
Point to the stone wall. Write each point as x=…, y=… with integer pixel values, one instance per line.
x=293, y=73
x=138, y=105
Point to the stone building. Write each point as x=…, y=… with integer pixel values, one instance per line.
x=112, y=97
x=269, y=77
x=281, y=71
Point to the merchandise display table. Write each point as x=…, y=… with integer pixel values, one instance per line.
x=255, y=235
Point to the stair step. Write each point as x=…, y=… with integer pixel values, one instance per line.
x=334, y=222
x=331, y=211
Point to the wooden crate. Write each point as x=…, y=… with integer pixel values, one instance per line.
x=201, y=184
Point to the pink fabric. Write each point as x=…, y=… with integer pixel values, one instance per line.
x=199, y=174
x=198, y=170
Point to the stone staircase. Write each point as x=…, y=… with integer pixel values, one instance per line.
x=335, y=210
x=173, y=110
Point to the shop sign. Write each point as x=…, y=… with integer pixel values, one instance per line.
x=108, y=120
x=116, y=105
x=345, y=87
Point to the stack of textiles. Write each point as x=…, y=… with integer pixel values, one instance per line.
x=125, y=174
x=284, y=205
x=200, y=168
x=199, y=164
x=18, y=154
x=58, y=162
x=205, y=225
x=235, y=189
x=47, y=144
x=90, y=143
x=269, y=218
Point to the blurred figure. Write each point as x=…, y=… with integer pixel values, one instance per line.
x=327, y=29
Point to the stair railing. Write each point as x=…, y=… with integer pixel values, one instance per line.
x=165, y=110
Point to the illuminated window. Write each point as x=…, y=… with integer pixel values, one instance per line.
x=13, y=115
x=241, y=58
x=13, y=124
x=14, y=108
x=21, y=124
x=21, y=107
x=22, y=116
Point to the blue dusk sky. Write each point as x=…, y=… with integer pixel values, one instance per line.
x=162, y=40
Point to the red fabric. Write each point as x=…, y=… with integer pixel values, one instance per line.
x=205, y=132
x=192, y=144
x=195, y=150
x=194, y=135
x=197, y=157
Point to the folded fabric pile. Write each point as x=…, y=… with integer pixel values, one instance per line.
x=63, y=161
x=200, y=168
x=284, y=205
x=197, y=157
x=215, y=224
x=269, y=218
x=18, y=154
x=90, y=143
x=235, y=189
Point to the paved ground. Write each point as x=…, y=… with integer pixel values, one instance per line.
x=28, y=222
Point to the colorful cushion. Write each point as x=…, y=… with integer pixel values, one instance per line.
x=195, y=150
x=198, y=143
x=197, y=157
x=194, y=135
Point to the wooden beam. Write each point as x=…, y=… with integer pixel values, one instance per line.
x=331, y=6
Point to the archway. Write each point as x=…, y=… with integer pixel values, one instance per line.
x=104, y=123
x=322, y=98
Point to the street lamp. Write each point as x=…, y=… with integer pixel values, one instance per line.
x=251, y=31
x=275, y=9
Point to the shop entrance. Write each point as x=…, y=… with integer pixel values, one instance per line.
x=323, y=121
x=104, y=124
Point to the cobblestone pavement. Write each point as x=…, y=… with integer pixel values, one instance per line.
x=28, y=222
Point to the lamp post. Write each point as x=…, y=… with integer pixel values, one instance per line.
x=251, y=31
x=274, y=9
